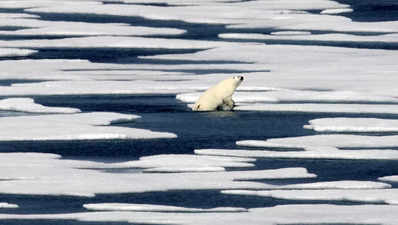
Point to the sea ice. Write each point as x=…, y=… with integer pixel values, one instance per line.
x=323, y=108
x=84, y=29
x=388, y=196
x=335, y=140
x=8, y=205
x=14, y=52
x=47, y=174
x=154, y=208
x=353, y=125
x=337, y=11
x=309, y=153
x=183, y=163
x=81, y=126
x=281, y=214
x=28, y=105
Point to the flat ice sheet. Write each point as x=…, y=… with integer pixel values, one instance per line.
x=28, y=105
x=309, y=153
x=353, y=125
x=14, y=52
x=154, y=208
x=29, y=173
x=323, y=108
x=387, y=196
x=282, y=214
x=81, y=126
x=183, y=163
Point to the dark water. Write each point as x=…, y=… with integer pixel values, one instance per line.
x=194, y=130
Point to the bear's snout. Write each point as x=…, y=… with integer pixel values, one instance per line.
x=241, y=78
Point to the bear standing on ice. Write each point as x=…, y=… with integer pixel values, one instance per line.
x=219, y=97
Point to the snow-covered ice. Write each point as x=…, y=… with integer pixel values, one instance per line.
x=314, y=152
x=353, y=125
x=183, y=163
x=5, y=205
x=28, y=105
x=281, y=214
x=154, y=208
x=305, y=61
x=388, y=196
x=13, y=52
x=48, y=174
x=81, y=126
x=323, y=108
x=328, y=140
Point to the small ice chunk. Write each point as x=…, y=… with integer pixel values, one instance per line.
x=5, y=205
x=290, y=33
x=13, y=52
x=336, y=11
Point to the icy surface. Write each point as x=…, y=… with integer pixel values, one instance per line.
x=154, y=208
x=46, y=174
x=72, y=127
x=329, y=140
x=323, y=108
x=317, y=63
x=86, y=29
x=8, y=205
x=282, y=214
x=353, y=125
x=310, y=153
x=12, y=52
x=28, y=105
x=183, y=163
x=388, y=196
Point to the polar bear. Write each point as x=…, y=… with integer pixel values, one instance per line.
x=219, y=97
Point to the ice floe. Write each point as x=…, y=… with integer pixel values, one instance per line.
x=309, y=153
x=204, y=12
x=28, y=105
x=47, y=174
x=323, y=108
x=337, y=11
x=81, y=126
x=13, y=52
x=346, y=78
x=328, y=140
x=388, y=196
x=114, y=42
x=390, y=39
x=353, y=125
x=281, y=214
x=155, y=208
x=42, y=28
x=183, y=163
x=5, y=205
x=389, y=178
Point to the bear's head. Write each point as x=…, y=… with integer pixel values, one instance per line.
x=237, y=80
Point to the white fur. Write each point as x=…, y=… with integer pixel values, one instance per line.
x=219, y=97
